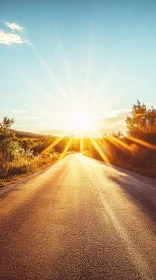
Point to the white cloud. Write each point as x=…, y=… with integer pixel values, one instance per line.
x=121, y=112
x=30, y=106
x=14, y=26
x=114, y=122
x=10, y=38
x=29, y=118
x=19, y=111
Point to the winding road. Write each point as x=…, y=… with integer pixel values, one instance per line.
x=79, y=219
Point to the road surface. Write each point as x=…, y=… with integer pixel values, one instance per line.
x=79, y=219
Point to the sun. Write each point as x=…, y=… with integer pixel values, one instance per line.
x=82, y=123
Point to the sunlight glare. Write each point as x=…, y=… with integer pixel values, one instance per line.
x=82, y=123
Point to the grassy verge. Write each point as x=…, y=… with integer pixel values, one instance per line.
x=23, y=168
x=142, y=171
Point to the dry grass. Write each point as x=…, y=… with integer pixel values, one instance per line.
x=143, y=171
x=22, y=167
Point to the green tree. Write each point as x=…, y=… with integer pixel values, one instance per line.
x=141, y=120
x=6, y=124
x=9, y=146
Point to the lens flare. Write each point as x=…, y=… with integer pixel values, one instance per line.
x=81, y=123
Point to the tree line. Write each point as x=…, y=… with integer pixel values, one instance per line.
x=22, y=152
x=135, y=150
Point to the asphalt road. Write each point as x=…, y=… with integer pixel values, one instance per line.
x=79, y=219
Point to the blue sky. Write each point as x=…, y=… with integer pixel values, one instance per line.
x=59, y=58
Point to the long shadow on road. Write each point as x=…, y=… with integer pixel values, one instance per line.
x=140, y=189
x=136, y=191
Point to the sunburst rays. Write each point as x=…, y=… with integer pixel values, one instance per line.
x=82, y=143
x=52, y=145
x=119, y=143
x=67, y=68
x=52, y=76
x=67, y=147
x=98, y=148
x=142, y=143
x=89, y=66
x=70, y=102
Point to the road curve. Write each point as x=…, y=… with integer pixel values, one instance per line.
x=79, y=219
